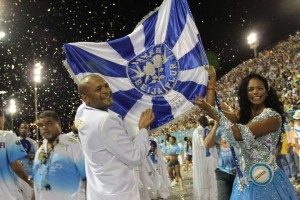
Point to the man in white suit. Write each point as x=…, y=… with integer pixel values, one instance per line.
x=110, y=153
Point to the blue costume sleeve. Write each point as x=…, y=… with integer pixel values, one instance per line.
x=15, y=150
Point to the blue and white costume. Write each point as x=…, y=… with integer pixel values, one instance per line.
x=10, y=151
x=59, y=175
x=30, y=147
x=170, y=149
x=258, y=152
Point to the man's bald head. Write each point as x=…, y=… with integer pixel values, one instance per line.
x=85, y=83
x=95, y=92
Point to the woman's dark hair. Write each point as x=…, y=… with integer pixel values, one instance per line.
x=203, y=121
x=1, y=113
x=153, y=144
x=271, y=101
x=174, y=138
x=188, y=145
x=167, y=138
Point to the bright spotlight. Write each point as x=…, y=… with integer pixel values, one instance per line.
x=252, y=38
x=253, y=43
x=2, y=34
x=12, y=106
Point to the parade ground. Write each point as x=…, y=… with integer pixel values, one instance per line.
x=187, y=193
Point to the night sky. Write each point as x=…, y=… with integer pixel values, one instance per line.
x=37, y=29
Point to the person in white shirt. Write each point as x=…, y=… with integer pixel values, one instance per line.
x=204, y=163
x=110, y=153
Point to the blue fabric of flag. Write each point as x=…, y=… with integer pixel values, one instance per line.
x=160, y=65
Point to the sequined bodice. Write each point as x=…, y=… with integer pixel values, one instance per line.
x=261, y=149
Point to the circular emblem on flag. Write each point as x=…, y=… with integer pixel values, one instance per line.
x=155, y=71
x=261, y=174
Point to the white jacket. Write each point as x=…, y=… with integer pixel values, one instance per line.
x=110, y=154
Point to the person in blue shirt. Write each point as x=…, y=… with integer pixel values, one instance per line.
x=30, y=147
x=189, y=155
x=58, y=167
x=171, y=152
x=162, y=144
x=11, y=151
x=225, y=172
x=184, y=152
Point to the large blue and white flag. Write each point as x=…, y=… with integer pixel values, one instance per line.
x=159, y=65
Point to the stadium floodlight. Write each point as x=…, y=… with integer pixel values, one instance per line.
x=253, y=42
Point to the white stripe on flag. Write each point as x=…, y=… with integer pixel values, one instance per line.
x=69, y=69
x=162, y=22
x=137, y=38
x=118, y=84
x=179, y=104
x=142, y=104
x=102, y=50
x=198, y=75
x=187, y=40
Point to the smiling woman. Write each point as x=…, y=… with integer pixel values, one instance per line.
x=255, y=128
x=257, y=94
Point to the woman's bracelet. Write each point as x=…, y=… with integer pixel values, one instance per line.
x=210, y=87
